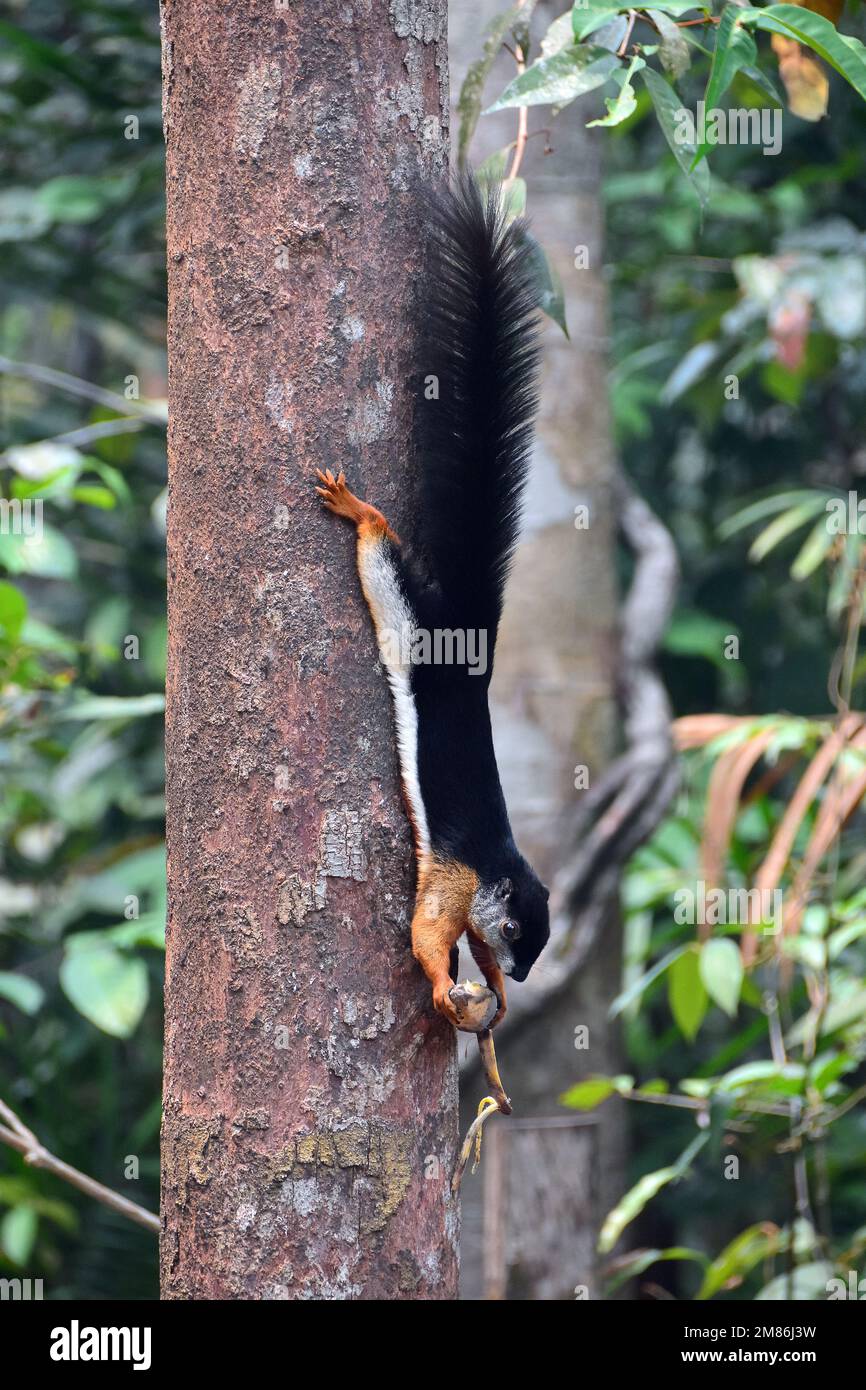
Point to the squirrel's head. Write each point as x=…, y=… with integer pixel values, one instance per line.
x=510, y=913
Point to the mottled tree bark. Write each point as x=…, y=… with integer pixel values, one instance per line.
x=310, y=1092
x=554, y=708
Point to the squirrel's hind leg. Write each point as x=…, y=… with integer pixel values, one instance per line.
x=387, y=583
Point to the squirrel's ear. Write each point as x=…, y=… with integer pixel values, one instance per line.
x=503, y=888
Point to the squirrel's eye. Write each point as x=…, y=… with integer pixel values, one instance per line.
x=510, y=930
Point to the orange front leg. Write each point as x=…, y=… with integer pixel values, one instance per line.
x=433, y=939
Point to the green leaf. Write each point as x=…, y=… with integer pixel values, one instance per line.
x=829, y=1067
x=561, y=33
x=636, y=1261
x=13, y=611
x=113, y=707
x=806, y=950
x=21, y=991
x=620, y=107
x=634, y=1201
x=786, y=1079
x=586, y=22
x=48, y=554
x=111, y=476
x=738, y=1258
x=140, y=872
x=77, y=198
x=783, y=526
x=632, y=1204
x=668, y=108
x=816, y=548
x=689, y=370
x=767, y=506
x=559, y=79
x=674, y=51
x=551, y=296
x=612, y=6
x=636, y=989
x=765, y=82
x=586, y=1095
x=18, y=1234
x=108, y=987
x=847, y=55
x=841, y=1012
x=148, y=930
x=838, y=940
x=699, y=634
x=698, y=1087
x=686, y=993
x=94, y=496
x=735, y=49
x=44, y=638
x=44, y=462
x=721, y=969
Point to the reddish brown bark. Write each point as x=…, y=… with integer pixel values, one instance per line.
x=310, y=1093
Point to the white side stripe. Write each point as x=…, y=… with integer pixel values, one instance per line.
x=391, y=613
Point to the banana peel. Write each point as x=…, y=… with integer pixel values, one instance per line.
x=475, y=1006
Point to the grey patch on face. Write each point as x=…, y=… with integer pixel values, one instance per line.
x=486, y=915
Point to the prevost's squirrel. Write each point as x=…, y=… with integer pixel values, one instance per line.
x=478, y=341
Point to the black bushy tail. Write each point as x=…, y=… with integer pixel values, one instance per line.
x=479, y=340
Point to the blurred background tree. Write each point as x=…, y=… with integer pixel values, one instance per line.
x=82, y=633
x=765, y=284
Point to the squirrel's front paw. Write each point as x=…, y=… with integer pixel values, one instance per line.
x=333, y=491
x=442, y=1002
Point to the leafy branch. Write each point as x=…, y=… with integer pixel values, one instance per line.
x=16, y=1134
x=593, y=46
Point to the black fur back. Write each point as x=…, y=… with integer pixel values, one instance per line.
x=479, y=338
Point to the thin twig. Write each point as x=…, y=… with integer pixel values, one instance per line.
x=103, y=429
x=632, y=15
x=692, y=1103
x=19, y=1137
x=74, y=386
x=519, y=56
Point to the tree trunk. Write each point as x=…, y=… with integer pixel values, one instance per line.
x=554, y=1175
x=310, y=1092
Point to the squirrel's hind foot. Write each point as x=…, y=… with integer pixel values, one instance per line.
x=337, y=498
